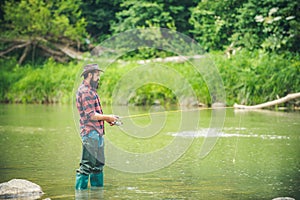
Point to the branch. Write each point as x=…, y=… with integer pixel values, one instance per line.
x=50, y=51
x=70, y=51
x=270, y=103
x=15, y=40
x=14, y=47
x=178, y=59
x=25, y=52
x=61, y=59
x=59, y=51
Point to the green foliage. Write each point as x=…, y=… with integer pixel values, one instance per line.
x=142, y=14
x=180, y=13
x=51, y=83
x=9, y=74
x=153, y=93
x=171, y=14
x=272, y=25
x=37, y=18
x=268, y=32
x=110, y=79
x=99, y=15
x=253, y=77
x=41, y=29
x=213, y=22
x=249, y=77
x=150, y=93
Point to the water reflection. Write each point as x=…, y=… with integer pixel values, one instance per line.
x=91, y=194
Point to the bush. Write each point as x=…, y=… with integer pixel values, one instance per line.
x=149, y=93
x=256, y=77
x=249, y=77
x=50, y=83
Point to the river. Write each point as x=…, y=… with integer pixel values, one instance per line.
x=255, y=155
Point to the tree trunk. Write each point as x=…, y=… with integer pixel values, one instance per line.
x=270, y=103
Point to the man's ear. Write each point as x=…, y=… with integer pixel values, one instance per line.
x=90, y=75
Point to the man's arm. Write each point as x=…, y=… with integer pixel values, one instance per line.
x=91, y=114
x=108, y=118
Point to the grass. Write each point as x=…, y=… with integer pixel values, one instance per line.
x=248, y=78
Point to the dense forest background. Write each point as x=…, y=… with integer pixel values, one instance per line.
x=255, y=45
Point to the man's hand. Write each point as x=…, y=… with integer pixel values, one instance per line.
x=111, y=119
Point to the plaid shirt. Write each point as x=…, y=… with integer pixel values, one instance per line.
x=88, y=103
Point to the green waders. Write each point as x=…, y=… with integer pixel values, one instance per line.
x=92, y=162
x=96, y=180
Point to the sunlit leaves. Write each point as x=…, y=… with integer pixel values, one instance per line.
x=142, y=14
x=39, y=18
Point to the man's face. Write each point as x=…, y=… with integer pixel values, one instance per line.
x=95, y=80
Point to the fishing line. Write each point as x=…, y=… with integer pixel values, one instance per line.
x=236, y=141
x=170, y=111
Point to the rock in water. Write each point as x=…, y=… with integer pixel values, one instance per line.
x=19, y=188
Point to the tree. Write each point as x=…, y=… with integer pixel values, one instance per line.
x=272, y=25
x=180, y=11
x=142, y=14
x=213, y=22
x=42, y=28
x=99, y=16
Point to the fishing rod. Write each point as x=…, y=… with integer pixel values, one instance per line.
x=119, y=121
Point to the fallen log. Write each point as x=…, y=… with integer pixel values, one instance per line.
x=69, y=51
x=59, y=51
x=178, y=59
x=270, y=103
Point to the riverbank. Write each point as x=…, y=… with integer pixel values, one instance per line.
x=249, y=78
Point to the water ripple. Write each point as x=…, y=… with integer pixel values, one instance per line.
x=205, y=133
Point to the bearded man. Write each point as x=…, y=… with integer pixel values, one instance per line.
x=91, y=129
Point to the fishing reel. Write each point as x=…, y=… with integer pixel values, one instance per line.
x=118, y=122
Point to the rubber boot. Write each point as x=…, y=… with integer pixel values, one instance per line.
x=96, y=193
x=81, y=194
x=81, y=181
x=96, y=180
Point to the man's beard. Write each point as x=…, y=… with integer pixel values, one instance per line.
x=95, y=84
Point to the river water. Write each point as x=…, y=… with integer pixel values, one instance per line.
x=255, y=155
